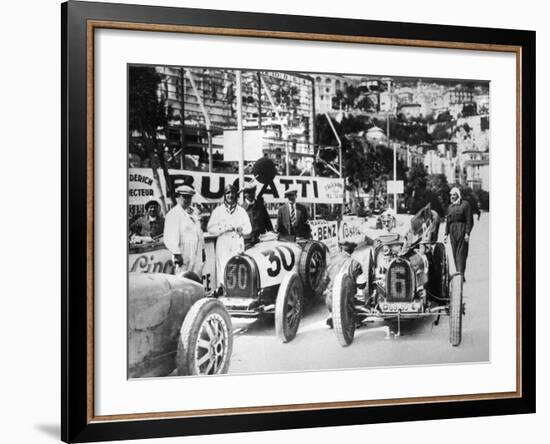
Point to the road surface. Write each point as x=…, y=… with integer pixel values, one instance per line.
x=257, y=350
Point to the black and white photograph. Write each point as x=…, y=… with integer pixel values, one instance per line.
x=277, y=222
x=286, y=221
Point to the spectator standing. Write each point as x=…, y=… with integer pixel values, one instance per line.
x=458, y=228
x=151, y=224
x=292, y=219
x=183, y=235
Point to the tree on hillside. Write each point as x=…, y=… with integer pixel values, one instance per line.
x=365, y=103
x=445, y=116
x=442, y=131
x=368, y=166
x=419, y=193
x=147, y=113
x=439, y=185
x=409, y=131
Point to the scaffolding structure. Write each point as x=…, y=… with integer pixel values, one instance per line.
x=201, y=103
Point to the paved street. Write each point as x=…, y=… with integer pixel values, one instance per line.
x=257, y=350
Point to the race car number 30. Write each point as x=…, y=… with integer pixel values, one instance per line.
x=237, y=276
x=279, y=257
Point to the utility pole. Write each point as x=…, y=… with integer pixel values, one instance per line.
x=394, y=151
x=259, y=100
x=205, y=114
x=240, y=134
x=340, y=172
x=182, y=118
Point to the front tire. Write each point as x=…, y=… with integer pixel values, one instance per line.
x=288, y=307
x=206, y=339
x=455, y=310
x=343, y=312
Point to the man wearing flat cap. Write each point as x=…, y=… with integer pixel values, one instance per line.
x=292, y=220
x=183, y=234
x=230, y=223
x=257, y=213
x=151, y=224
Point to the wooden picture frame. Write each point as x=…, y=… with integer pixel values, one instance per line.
x=79, y=22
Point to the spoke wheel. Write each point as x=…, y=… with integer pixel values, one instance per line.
x=312, y=265
x=288, y=307
x=206, y=340
x=343, y=311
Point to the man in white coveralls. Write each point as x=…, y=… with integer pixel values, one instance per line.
x=230, y=222
x=183, y=234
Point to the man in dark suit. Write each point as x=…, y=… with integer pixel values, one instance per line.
x=292, y=220
x=257, y=213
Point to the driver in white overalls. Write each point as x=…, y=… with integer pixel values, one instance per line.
x=230, y=222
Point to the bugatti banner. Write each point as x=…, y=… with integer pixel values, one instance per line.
x=209, y=186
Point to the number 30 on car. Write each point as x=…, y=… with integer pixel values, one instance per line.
x=272, y=278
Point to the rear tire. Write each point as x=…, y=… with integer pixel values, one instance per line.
x=343, y=312
x=455, y=310
x=312, y=265
x=206, y=339
x=288, y=307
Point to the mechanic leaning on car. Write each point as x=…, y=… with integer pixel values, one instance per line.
x=459, y=225
x=183, y=234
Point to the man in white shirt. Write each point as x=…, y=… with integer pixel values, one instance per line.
x=183, y=234
x=230, y=222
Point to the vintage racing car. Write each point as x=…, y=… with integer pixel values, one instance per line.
x=172, y=324
x=405, y=278
x=272, y=278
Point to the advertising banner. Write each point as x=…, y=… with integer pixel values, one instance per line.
x=209, y=186
x=157, y=259
x=353, y=229
x=325, y=232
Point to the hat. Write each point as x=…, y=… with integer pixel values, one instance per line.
x=152, y=203
x=185, y=190
x=291, y=190
x=456, y=191
x=228, y=188
x=347, y=244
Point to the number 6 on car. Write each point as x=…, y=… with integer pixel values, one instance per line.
x=403, y=283
x=272, y=278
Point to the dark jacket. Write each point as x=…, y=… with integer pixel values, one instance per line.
x=460, y=214
x=144, y=227
x=286, y=230
x=259, y=219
